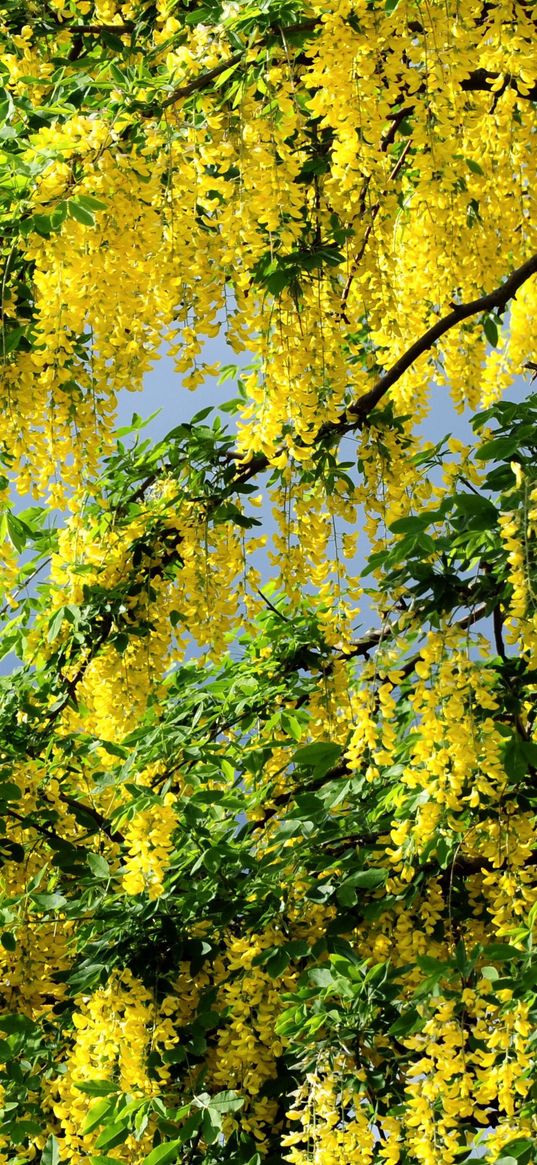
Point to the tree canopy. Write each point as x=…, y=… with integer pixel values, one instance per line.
x=268, y=751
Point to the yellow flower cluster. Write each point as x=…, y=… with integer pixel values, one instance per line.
x=334, y=1123
x=112, y=1032
x=246, y=1052
x=149, y=841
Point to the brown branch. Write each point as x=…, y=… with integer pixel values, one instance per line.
x=28, y=823
x=480, y=80
x=477, y=81
x=91, y=29
x=497, y=622
x=100, y=821
x=198, y=84
x=372, y=639
x=205, y=79
x=354, y=417
x=96, y=29
x=497, y=299
x=396, y=120
x=377, y=636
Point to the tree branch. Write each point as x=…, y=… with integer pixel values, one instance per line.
x=96, y=29
x=101, y=822
x=497, y=299
x=205, y=79
x=480, y=80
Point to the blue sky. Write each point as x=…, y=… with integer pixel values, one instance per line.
x=163, y=390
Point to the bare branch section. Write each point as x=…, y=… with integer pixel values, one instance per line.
x=497, y=299
x=388, y=631
x=481, y=80
x=199, y=83
x=96, y=29
x=373, y=214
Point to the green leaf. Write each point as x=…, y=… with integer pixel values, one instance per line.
x=346, y=895
x=473, y=166
x=490, y=329
x=120, y=642
x=321, y=757
x=474, y=506
x=297, y=948
x=80, y=213
x=89, y=202
x=11, y=342
x=58, y=216
x=19, y=532
x=18, y=1025
x=9, y=791
x=498, y=449
x=189, y=1129
x=11, y=851
x=490, y=973
x=113, y=1135
x=6, y=104
x=228, y=1101
x=367, y=879
x=96, y=1087
x=98, y=866
x=277, y=963
x=414, y=524
x=98, y=1113
x=211, y=1125
x=8, y=941
x=51, y=1152
x=501, y=952
x=119, y=76
x=321, y=977
x=529, y=749
x=348, y=966
x=227, y=73
x=408, y=1021
x=49, y=901
x=56, y=624
x=166, y=1153
x=519, y=1147
x=515, y=758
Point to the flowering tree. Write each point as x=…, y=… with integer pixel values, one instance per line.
x=268, y=864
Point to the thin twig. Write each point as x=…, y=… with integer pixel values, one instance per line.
x=272, y=607
x=374, y=212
